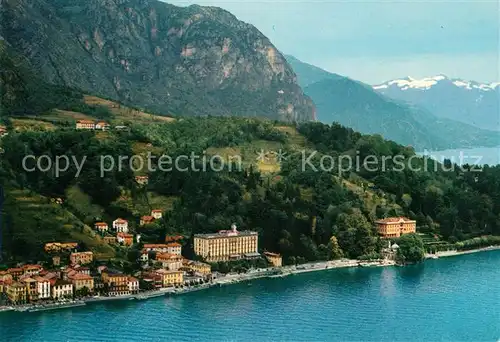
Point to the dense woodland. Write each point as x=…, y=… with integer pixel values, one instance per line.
x=303, y=214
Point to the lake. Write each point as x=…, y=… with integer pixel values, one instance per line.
x=448, y=299
x=479, y=156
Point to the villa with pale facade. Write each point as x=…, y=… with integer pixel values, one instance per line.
x=227, y=245
x=394, y=227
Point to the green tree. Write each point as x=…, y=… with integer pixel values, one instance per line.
x=411, y=249
x=334, y=250
x=354, y=234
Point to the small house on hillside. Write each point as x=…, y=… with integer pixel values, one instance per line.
x=157, y=213
x=146, y=220
x=120, y=225
x=142, y=180
x=102, y=125
x=85, y=124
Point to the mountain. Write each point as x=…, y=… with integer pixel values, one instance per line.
x=174, y=60
x=470, y=102
x=357, y=105
x=309, y=74
x=23, y=93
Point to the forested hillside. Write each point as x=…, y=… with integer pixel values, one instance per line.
x=260, y=182
x=301, y=213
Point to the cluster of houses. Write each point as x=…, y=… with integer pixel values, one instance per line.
x=163, y=265
x=33, y=283
x=121, y=228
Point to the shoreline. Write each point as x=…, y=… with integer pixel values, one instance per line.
x=451, y=253
x=229, y=279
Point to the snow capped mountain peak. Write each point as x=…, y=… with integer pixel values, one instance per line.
x=409, y=82
x=428, y=82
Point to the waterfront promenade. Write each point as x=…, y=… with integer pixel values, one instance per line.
x=232, y=278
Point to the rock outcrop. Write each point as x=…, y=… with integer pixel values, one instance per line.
x=173, y=60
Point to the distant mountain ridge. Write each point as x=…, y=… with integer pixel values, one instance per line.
x=309, y=73
x=428, y=82
x=173, y=60
x=357, y=105
x=470, y=102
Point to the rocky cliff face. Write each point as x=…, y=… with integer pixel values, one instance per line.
x=186, y=61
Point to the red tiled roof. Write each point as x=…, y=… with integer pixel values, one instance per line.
x=120, y=221
x=41, y=280
x=155, y=245
x=173, y=238
x=27, y=279
x=32, y=266
x=79, y=276
x=51, y=276
x=174, y=244
x=85, y=121
x=125, y=235
x=393, y=219
x=101, y=224
x=167, y=256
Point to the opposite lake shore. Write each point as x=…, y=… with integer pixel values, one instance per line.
x=238, y=278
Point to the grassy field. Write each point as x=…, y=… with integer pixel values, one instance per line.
x=123, y=113
x=39, y=220
x=21, y=125
x=371, y=198
x=64, y=115
x=142, y=149
x=143, y=203
x=295, y=139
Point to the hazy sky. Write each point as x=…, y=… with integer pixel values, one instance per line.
x=374, y=41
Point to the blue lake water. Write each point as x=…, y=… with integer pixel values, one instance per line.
x=448, y=299
x=479, y=156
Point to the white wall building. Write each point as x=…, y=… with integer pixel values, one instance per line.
x=62, y=289
x=43, y=288
x=120, y=225
x=133, y=285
